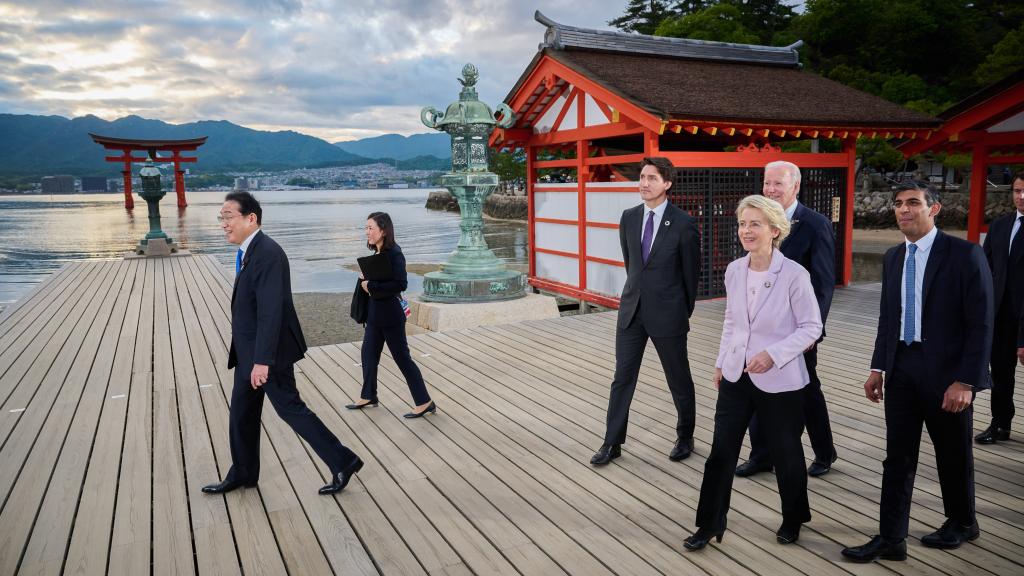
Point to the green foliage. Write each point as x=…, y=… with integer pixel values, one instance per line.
x=722, y=23
x=642, y=16
x=509, y=166
x=879, y=154
x=301, y=181
x=196, y=181
x=1006, y=58
x=924, y=54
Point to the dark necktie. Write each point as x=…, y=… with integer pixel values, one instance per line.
x=1018, y=240
x=645, y=245
x=238, y=261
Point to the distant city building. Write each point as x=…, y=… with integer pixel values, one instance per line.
x=254, y=183
x=399, y=185
x=94, y=184
x=62, y=184
x=241, y=184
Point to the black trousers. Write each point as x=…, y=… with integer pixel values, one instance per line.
x=244, y=423
x=1004, y=363
x=909, y=402
x=629, y=354
x=816, y=420
x=782, y=414
x=374, y=339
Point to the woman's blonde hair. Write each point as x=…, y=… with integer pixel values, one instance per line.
x=772, y=210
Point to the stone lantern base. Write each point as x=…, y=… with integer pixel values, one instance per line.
x=156, y=247
x=445, y=287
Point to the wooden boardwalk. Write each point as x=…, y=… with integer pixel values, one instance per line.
x=113, y=414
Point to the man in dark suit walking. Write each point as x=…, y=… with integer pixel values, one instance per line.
x=809, y=243
x=933, y=343
x=661, y=251
x=266, y=341
x=1004, y=249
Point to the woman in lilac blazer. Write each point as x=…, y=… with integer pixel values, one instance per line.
x=771, y=317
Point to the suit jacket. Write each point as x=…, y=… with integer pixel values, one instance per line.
x=667, y=285
x=786, y=321
x=956, y=313
x=264, y=326
x=810, y=244
x=1006, y=275
x=385, y=309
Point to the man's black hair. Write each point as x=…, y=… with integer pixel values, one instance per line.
x=247, y=204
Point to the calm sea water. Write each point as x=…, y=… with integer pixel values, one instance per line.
x=322, y=232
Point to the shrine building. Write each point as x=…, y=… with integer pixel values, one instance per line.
x=591, y=104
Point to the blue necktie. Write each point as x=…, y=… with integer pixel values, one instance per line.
x=909, y=283
x=238, y=261
x=645, y=245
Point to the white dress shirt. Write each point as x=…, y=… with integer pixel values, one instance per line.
x=924, y=248
x=1016, y=227
x=791, y=210
x=245, y=243
x=659, y=212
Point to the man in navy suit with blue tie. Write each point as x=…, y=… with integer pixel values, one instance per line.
x=933, y=343
x=1004, y=248
x=810, y=243
x=266, y=342
x=661, y=252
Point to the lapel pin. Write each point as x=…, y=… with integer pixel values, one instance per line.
x=767, y=284
x=667, y=222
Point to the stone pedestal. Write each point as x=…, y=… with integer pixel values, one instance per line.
x=439, y=317
x=156, y=247
x=160, y=252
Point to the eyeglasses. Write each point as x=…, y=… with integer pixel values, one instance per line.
x=222, y=218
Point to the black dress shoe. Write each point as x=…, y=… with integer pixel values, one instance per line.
x=700, y=539
x=788, y=534
x=951, y=535
x=877, y=548
x=341, y=479
x=992, y=435
x=226, y=486
x=750, y=467
x=606, y=454
x=361, y=405
x=681, y=451
x=819, y=468
x=431, y=409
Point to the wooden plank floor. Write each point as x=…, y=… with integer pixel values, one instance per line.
x=113, y=414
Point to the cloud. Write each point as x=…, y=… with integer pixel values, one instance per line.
x=331, y=68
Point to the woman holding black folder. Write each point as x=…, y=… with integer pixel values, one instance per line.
x=385, y=320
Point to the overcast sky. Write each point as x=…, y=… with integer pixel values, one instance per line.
x=339, y=70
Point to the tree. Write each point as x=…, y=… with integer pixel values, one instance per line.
x=764, y=18
x=642, y=16
x=721, y=23
x=509, y=166
x=1006, y=58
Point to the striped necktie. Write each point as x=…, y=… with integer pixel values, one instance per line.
x=909, y=283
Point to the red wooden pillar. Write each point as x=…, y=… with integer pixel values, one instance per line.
x=129, y=202
x=850, y=147
x=582, y=177
x=179, y=186
x=976, y=208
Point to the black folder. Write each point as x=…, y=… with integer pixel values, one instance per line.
x=376, y=267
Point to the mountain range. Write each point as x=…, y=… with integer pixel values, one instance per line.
x=39, y=145
x=400, y=147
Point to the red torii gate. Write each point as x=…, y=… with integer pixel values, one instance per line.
x=129, y=145
x=989, y=125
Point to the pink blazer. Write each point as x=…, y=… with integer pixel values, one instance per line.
x=786, y=321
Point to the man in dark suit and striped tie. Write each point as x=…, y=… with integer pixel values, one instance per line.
x=1004, y=249
x=933, y=343
x=661, y=252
